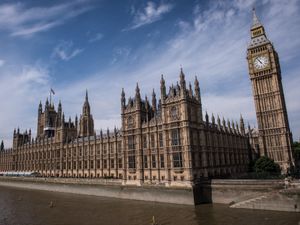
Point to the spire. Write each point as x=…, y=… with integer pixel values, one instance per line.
x=76, y=121
x=137, y=91
x=123, y=99
x=86, y=95
x=137, y=96
x=86, y=109
x=255, y=21
x=182, y=81
x=197, y=89
x=242, y=125
x=206, y=117
x=213, y=119
x=162, y=88
x=219, y=122
x=153, y=100
x=47, y=104
x=63, y=120
x=40, y=108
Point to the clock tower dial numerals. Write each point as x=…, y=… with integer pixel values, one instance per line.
x=260, y=62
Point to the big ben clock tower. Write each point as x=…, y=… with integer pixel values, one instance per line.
x=264, y=69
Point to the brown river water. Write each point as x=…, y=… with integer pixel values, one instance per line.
x=31, y=207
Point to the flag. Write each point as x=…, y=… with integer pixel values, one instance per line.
x=52, y=91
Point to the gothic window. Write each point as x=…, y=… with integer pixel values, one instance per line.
x=130, y=122
x=112, y=163
x=161, y=141
x=92, y=164
x=131, y=162
x=85, y=164
x=104, y=163
x=177, y=159
x=131, y=143
x=162, y=161
x=144, y=141
x=145, y=162
x=152, y=141
x=175, y=137
x=173, y=113
x=153, y=161
x=98, y=164
x=120, y=163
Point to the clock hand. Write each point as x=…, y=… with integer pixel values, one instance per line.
x=259, y=60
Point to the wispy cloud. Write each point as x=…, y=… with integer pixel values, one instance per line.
x=65, y=50
x=24, y=87
x=21, y=20
x=151, y=13
x=96, y=37
x=2, y=62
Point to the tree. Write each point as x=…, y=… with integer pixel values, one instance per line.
x=266, y=165
x=2, y=146
x=296, y=149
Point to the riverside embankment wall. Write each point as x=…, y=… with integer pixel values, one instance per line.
x=223, y=191
x=228, y=191
x=105, y=188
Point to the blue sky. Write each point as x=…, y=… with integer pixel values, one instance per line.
x=105, y=45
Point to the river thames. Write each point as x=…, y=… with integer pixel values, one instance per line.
x=31, y=207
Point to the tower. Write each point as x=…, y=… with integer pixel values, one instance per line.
x=264, y=69
x=86, y=124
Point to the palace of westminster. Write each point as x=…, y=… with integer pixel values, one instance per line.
x=164, y=140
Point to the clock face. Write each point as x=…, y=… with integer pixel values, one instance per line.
x=261, y=62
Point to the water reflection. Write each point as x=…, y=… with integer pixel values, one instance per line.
x=28, y=207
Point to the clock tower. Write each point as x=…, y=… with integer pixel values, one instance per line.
x=275, y=138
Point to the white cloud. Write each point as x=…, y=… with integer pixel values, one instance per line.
x=21, y=20
x=65, y=51
x=149, y=14
x=96, y=37
x=20, y=92
x=2, y=62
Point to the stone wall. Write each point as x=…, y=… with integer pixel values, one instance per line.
x=105, y=188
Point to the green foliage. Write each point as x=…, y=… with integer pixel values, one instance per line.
x=266, y=165
x=296, y=149
x=2, y=146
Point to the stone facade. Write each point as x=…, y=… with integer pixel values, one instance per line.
x=165, y=142
x=274, y=136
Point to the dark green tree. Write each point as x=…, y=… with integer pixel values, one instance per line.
x=296, y=149
x=2, y=146
x=266, y=165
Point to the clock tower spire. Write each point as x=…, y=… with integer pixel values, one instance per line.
x=275, y=138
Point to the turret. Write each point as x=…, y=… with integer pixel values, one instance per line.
x=182, y=83
x=162, y=88
x=198, y=95
x=123, y=100
x=86, y=110
x=242, y=125
x=206, y=118
x=219, y=122
x=76, y=122
x=2, y=146
x=213, y=119
x=154, y=101
x=137, y=96
x=63, y=120
x=40, y=110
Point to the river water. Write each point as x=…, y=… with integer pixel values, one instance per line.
x=31, y=207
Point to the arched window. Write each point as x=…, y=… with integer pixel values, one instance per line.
x=130, y=122
x=173, y=113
